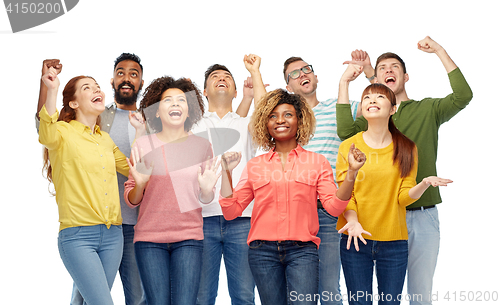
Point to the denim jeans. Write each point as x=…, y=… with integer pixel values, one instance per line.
x=423, y=249
x=329, y=259
x=92, y=254
x=228, y=239
x=286, y=272
x=170, y=272
x=129, y=273
x=390, y=259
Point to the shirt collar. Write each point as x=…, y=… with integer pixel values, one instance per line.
x=297, y=151
x=84, y=128
x=229, y=115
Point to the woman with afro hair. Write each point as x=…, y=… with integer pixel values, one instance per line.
x=171, y=176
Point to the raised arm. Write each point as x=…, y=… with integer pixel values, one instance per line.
x=430, y=46
x=361, y=58
x=42, y=96
x=350, y=74
x=51, y=83
x=246, y=101
x=252, y=63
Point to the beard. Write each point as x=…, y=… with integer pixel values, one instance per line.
x=127, y=100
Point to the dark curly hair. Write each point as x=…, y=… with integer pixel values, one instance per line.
x=152, y=95
x=260, y=117
x=128, y=56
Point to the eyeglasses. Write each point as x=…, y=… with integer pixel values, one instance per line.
x=296, y=73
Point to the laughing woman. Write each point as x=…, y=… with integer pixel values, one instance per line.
x=167, y=183
x=82, y=162
x=377, y=208
x=285, y=184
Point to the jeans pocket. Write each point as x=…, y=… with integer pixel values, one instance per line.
x=433, y=216
x=255, y=244
x=69, y=232
x=305, y=244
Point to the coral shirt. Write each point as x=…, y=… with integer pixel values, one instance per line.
x=285, y=206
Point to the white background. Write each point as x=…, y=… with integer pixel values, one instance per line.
x=183, y=38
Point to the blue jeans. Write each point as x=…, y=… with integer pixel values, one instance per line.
x=391, y=259
x=228, y=239
x=423, y=249
x=170, y=272
x=329, y=259
x=129, y=273
x=286, y=272
x=92, y=254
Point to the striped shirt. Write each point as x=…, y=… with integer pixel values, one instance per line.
x=325, y=140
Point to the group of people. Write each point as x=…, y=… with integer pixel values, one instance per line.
x=192, y=190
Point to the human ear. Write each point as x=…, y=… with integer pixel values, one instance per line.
x=73, y=104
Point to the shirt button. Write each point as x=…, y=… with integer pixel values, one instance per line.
x=106, y=195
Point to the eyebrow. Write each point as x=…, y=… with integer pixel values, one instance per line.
x=223, y=72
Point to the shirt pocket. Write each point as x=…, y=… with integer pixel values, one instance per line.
x=305, y=189
x=263, y=192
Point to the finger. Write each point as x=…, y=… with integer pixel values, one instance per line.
x=356, y=246
x=367, y=233
x=362, y=239
x=349, y=242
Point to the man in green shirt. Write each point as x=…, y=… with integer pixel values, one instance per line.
x=420, y=121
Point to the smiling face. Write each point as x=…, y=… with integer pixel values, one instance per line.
x=378, y=102
x=220, y=83
x=173, y=108
x=283, y=123
x=127, y=82
x=390, y=72
x=88, y=98
x=305, y=84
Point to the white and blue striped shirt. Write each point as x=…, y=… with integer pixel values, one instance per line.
x=325, y=140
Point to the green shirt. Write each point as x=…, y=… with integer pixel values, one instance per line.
x=419, y=121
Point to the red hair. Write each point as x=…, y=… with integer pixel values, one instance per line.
x=404, y=148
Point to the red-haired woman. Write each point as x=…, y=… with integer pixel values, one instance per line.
x=383, y=188
x=82, y=161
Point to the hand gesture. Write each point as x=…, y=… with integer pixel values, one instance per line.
x=138, y=168
x=209, y=177
x=360, y=58
x=428, y=45
x=50, y=79
x=252, y=62
x=137, y=121
x=352, y=72
x=354, y=229
x=230, y=160
x=436, y=181
x=54, y=63
x=248, y=87
x=356, y=158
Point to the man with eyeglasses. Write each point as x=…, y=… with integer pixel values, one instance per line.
x=300, y=79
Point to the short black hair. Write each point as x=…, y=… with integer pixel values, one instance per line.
x=213, y=68
x=128, y=56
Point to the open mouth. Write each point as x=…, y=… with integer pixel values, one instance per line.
x=390, y=80
x=221, y=85
x=97, y=99
x=373, y=109
x=281, y=128
x=304, y=82
x=175, y=113
x=126, y=87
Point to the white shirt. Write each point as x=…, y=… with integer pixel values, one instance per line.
x=226, y=134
